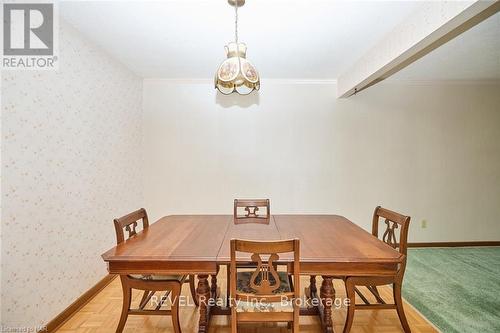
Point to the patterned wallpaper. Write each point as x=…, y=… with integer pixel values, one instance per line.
x=71, y=161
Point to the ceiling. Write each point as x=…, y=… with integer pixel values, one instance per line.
x=293, y=39
x=473, y=55
x=286, y=39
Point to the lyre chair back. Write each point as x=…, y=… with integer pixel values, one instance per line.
x=252, y=208
x=129, y=223
x=265, y=286
x=394, y=222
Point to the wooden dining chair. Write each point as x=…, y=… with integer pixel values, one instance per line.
x=252, y=215
x=264, y=294
x=252, y=208
x=151, y=283
x=393, y=221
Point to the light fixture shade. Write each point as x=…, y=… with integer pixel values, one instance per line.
x=236, y=73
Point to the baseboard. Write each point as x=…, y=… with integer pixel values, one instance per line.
x=61, y=318
x=455, y=244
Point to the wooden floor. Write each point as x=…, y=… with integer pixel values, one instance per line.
x=101, y=315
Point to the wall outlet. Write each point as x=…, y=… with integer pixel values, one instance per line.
x=423, y=224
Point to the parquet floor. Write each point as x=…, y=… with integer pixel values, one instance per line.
x=101, y=315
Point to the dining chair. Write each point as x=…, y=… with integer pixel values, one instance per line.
x=264, y=294
x=392, y=221
x=151, y=283
x=252, y=208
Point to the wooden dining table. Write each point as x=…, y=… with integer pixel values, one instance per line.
x=330, y=246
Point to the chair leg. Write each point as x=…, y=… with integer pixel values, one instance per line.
x=399, y=307
x=228, y=287
x=127, y=297
x=192, y=288
x=351, y=295
x=295, y=324
x=234, y=323
x=175, y=294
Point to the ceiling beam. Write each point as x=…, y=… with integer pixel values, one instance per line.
x=432, y=25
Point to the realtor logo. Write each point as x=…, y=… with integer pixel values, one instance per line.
x=28, y=36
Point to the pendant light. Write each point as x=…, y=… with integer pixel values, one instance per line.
x=236, y=73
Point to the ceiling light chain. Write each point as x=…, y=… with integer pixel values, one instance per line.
x=236, y=33
x=236, y=24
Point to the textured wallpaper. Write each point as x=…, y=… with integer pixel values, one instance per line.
x=71, y=161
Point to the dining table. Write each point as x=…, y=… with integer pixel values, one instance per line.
x=331, y=246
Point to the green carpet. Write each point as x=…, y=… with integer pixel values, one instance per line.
x=457, y=289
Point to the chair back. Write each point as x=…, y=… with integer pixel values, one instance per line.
x=252, y=208
x=129, y=222
x=392, y=221
x=265, y=280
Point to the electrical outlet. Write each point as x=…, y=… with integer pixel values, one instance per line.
x=423, y=224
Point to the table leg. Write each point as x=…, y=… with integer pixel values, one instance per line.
x=311, y=308
x=203, y=292
x=327, y=293
x=213, y=283
x=312, y=285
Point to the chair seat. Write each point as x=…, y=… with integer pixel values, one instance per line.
x=243, y=282
x=154, y=277
x=242, y=306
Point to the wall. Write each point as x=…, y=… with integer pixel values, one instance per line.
x=71, y=161
x=429, y=151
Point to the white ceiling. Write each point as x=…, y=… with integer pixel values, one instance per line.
x=299, y=39
x=474, y=55
x=286, y=39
